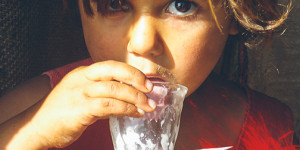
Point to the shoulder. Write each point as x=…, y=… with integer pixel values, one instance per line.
x=268, y=104
x=258, y=102
x=270, y=112
x=270, y=109
x=268, y=121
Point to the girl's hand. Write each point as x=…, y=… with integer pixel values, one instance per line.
x=87, y=94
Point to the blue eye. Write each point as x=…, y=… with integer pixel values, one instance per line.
x=182, y=8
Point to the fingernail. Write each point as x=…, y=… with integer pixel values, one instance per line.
x=140, y=111
x=152, y=103
x=149, y=84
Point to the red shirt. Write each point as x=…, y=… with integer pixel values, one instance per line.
x=268, y=123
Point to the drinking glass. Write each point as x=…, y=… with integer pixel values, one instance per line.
x=157, y=130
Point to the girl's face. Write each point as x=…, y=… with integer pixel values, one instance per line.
x=178, y=41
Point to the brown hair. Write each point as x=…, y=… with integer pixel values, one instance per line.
x=258, y=20
x=259, y=15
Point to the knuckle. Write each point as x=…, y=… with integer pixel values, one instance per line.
x=80, y=68
x=107, y=63
x=138, y=76
x=140, y=97
x=107, y=103
x=113, y=87
x=110, y=61
x=128, y=109
x=76, y=71
x=72, y=76
x=123, y=108
x=96, y=65
x=136, y=73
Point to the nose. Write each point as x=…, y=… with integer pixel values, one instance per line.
x=144, y=39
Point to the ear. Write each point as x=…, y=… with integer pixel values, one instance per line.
x=233, y=28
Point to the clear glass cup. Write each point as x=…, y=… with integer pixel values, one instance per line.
x=157, y=130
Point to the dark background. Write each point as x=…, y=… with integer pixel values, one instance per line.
x=36, y=36
x=276, y=71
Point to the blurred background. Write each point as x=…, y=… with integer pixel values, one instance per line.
x=36, y=36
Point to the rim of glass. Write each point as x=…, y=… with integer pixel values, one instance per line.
x=171, y=85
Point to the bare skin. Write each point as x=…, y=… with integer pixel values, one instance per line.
x=72, y=106
x=20, y=99
x=154, y=39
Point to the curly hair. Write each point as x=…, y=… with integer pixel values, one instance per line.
x=260, y=15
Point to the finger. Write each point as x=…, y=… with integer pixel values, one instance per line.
x=104, y=107
x=123, y=92
x=113, y=70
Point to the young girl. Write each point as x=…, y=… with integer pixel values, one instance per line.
x=135, y=42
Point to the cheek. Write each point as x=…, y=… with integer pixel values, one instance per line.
x=104, y=43
x=196, y=54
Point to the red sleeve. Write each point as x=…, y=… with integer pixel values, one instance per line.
x=57, y=74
